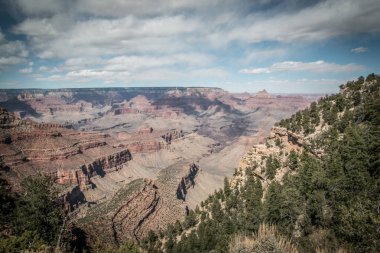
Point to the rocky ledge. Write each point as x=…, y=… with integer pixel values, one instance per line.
x=99, y=167
x=187, y=181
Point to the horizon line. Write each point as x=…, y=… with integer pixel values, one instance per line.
x=159, y=87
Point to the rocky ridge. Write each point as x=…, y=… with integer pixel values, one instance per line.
x=278, y=144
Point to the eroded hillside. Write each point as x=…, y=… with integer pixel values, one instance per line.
x=162, y=149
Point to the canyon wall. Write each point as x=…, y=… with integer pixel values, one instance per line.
x=70, y=157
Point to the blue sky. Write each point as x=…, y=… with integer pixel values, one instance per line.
x=293, y=46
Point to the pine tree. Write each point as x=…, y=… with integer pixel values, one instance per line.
x=272, y=164
x=227, y=189
x=8, y=203
x=38, y=209
x=292, y=161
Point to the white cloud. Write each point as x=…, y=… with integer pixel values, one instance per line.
x=26, y=70
x=13, y=48
x=256, y=71
x=128, y=27
x=43, y=69
x=36, y=28
x=87, y=75
x=11, y=52
x=58, y=37
x=117, y=8
x=194, y=59
x=40, y=6
x=128, y=40
x=124, y=68
x=83, y=61
x=143, y=62
x=317, y=67
x=265, y=54
x=121, y=63
x=165, y=74
x=359, y=50
x=51, y=78
x=182, y=25
x=324, y=20
x=154, y=74
x=10, y=60
x=49, y=69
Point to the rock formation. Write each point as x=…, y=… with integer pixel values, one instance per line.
x=129, y=220
x=69, y=156
x=186, y=182
x=262, y=94
x=172, y=135
x=99, y=167
x=148, y=140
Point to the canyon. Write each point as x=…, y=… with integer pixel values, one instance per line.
x=130, y=160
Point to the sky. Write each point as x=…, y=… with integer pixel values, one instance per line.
x=294, y=46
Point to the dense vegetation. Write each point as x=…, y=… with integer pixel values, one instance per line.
x=328, y=201
x=32, y=219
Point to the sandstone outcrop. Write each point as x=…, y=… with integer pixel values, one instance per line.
x=99, y=167
x=187, y=182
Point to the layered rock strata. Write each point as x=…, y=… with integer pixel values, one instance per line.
x=100, y=166
x=131, y=218
x=148, y=140
x=70, y=157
